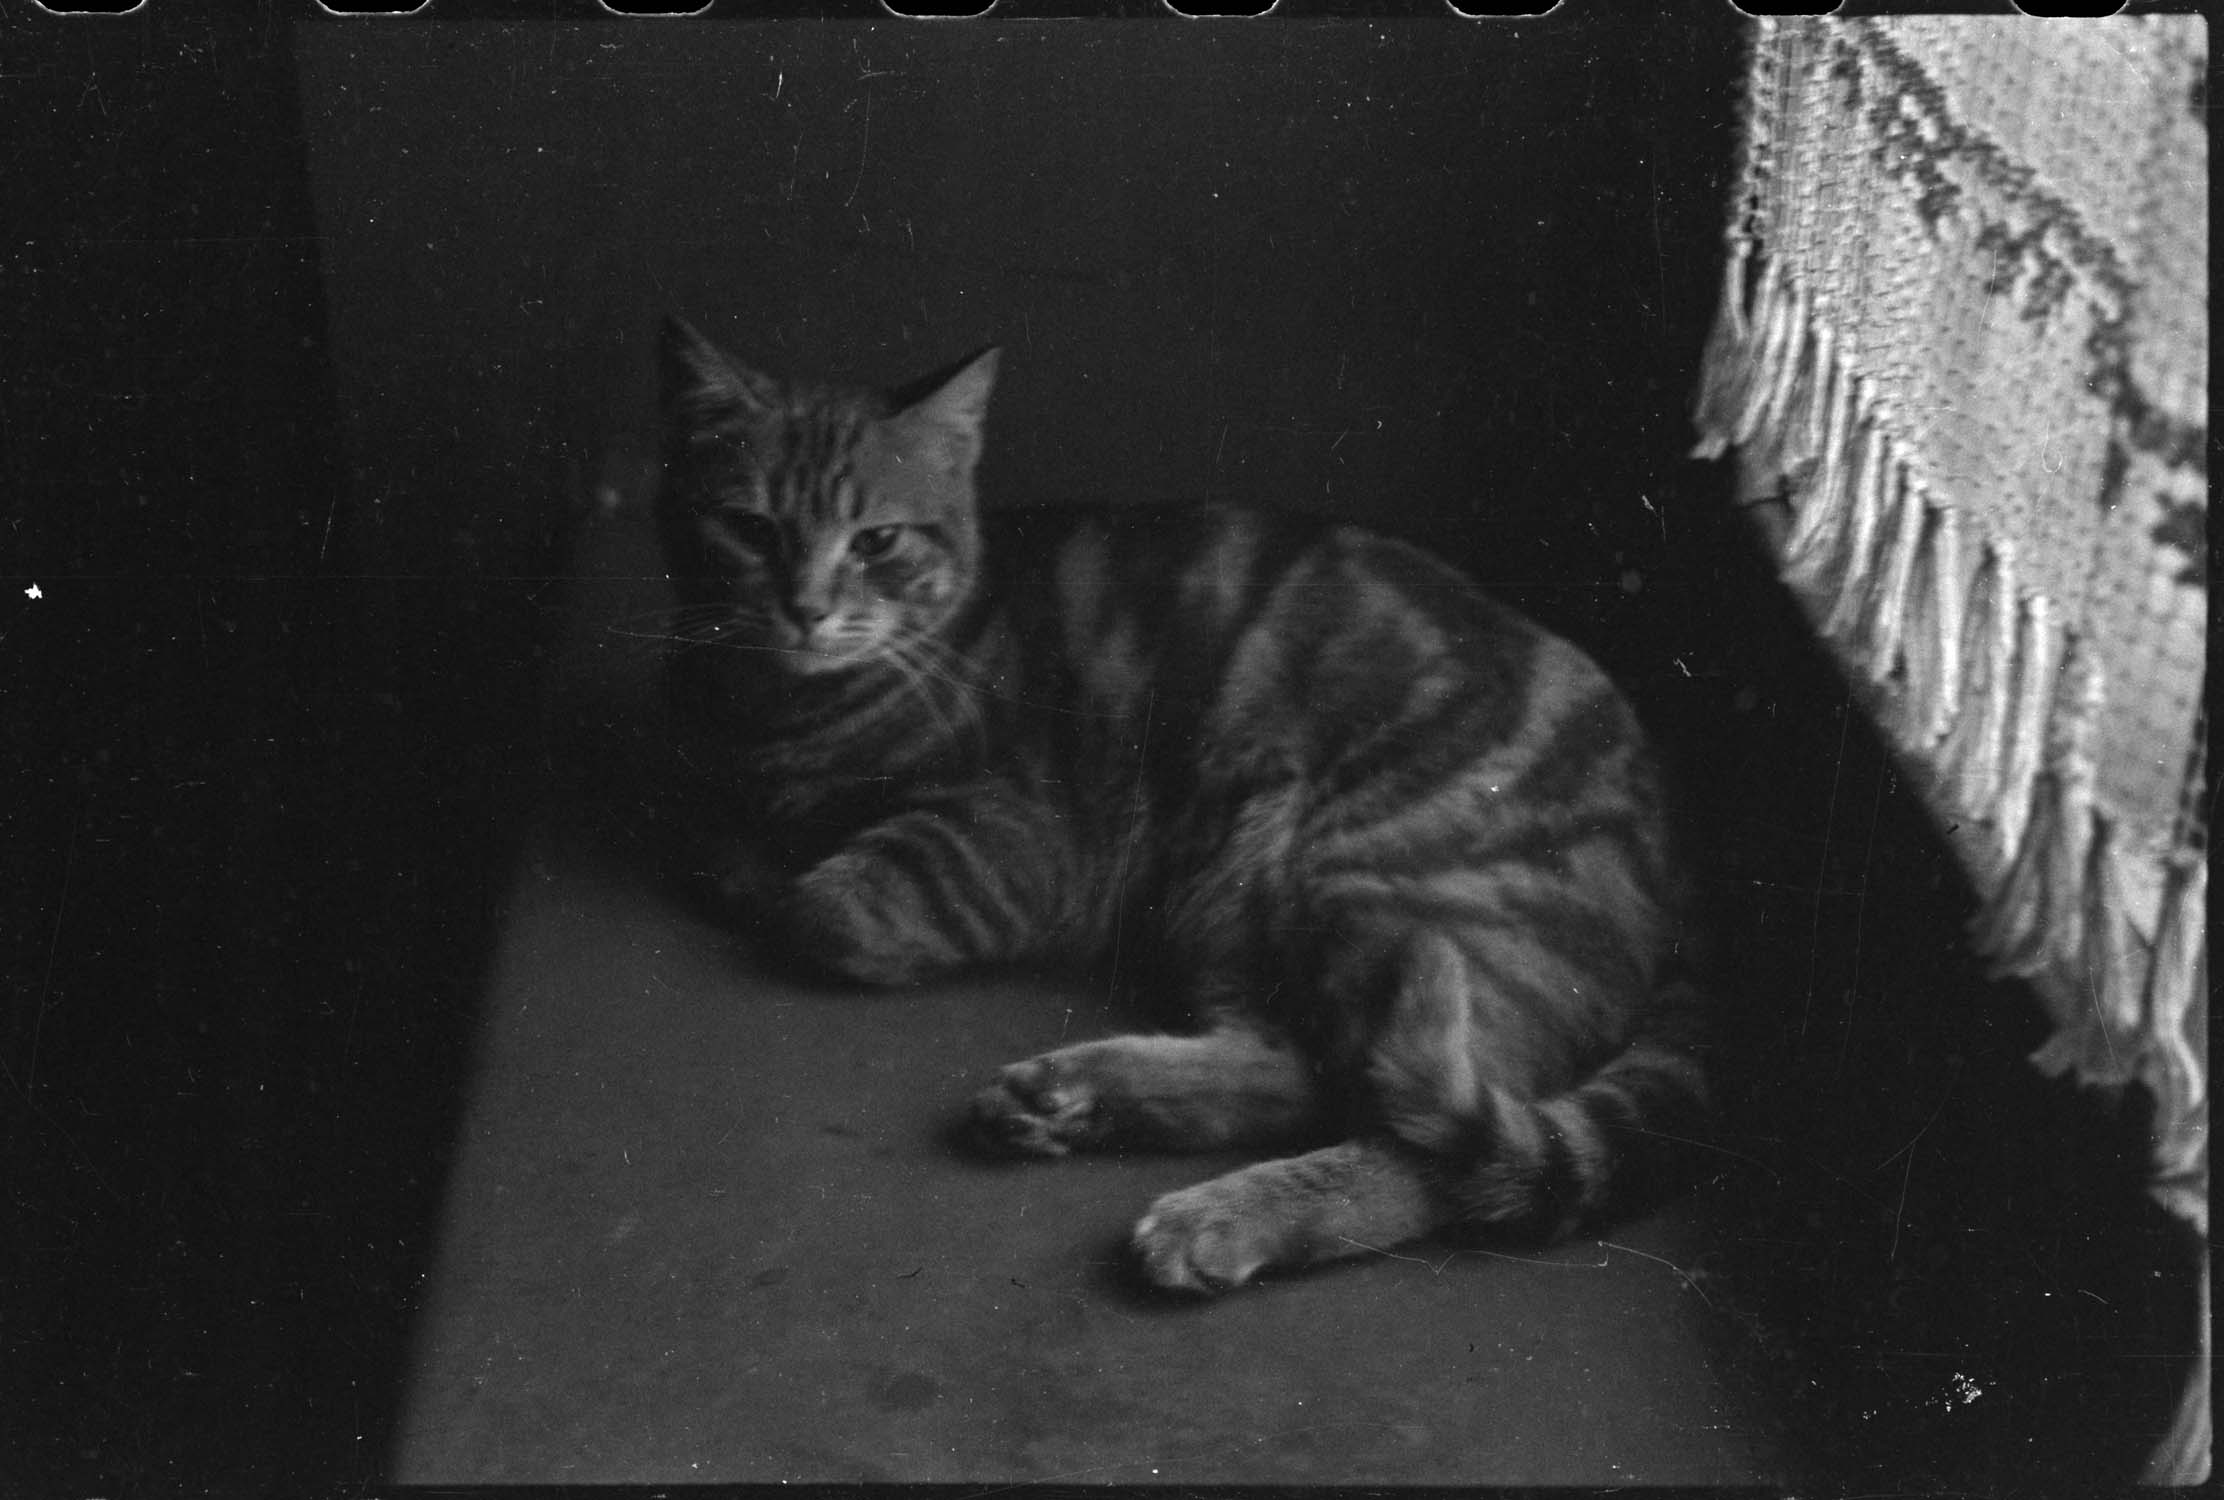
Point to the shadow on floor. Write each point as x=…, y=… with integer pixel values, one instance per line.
x=1944, y=1265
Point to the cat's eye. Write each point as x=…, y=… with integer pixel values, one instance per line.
x=753, y=530
x=875, y=541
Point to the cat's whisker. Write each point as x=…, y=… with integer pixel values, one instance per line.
x=686, y=625
x=688, y=640
x=642, y=645
x=918, y=650
x=674, y=614
x=915, y=678
x=958, y=669
x=682, y=637
x=937, y=649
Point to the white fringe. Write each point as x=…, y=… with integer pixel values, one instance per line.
x=1811, y=546
x=1820, y=406
x=1976, y=678
x=1839, y=402
x=1989, y=752
x=1723, y=367
x=1798, y=345
x=1870, y=465
x=1951, y=584
x=2035, y=653
x=2174, y=991
x=1889, y=610
x=1963, y=766
x=1776, y=336
x=2069, y=857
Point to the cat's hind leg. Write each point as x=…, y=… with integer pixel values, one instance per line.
x=1465, y=1136
x=1343, y=1200
x=1235, y=1086
x=1375, y=1193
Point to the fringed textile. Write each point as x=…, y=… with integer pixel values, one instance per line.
x=1964, y=336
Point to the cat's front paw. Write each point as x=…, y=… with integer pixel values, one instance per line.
x=1209, y=1238
x=1044, y=1106
x=854, y=916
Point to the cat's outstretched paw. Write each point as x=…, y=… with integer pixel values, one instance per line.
x=1037, y=1108
x=1205, y=1239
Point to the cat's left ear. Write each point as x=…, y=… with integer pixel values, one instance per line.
x=699, y=378
x=955, y=407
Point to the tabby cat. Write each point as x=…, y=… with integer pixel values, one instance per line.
x=1403, y=852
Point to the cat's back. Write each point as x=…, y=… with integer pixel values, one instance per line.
x=1245, y=629
x=1204, y=574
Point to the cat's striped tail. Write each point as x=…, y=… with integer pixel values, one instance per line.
x=1544, y=1167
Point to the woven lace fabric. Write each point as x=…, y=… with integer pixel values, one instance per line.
x=1964, y=335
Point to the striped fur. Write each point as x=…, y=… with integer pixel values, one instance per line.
x=1400, y=853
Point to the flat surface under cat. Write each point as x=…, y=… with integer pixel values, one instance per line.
x=1388, y=861
x=705, y=1224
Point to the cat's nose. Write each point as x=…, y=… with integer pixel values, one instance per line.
x=808, y=613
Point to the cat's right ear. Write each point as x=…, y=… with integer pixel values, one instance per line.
x=698, y=378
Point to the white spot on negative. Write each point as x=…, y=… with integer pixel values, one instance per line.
x=34, y=592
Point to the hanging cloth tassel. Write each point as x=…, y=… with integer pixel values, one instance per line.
x=2011, y=931
x=1814, y=555
x=2173, y=1010
x=1774, y=425
x=2025, y=810
x=1728, y=361
x=1870, y=465
x=1950, y=585
x=1957, y=758
x=1836, y=402
x=1822, y=387
x=1775, y=306
x=2026, y=727
x=1889, y=611
x=2079, y=1040
x=2070, y=869
x=2118, y=980
x=1918, y=705
x=1988, y=750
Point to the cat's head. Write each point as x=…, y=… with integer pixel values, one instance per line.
x=822, y=527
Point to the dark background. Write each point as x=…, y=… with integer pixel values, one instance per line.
x=318, y=339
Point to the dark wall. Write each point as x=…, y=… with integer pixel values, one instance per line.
x=250, y=820
x=1448, y=277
